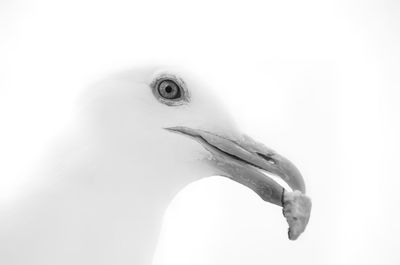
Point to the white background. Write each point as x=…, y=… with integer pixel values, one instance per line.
x=317, y=81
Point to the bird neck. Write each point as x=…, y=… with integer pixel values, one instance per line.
x=98, y=207
x=126, y=219
x=85, y=219
x=126, y=214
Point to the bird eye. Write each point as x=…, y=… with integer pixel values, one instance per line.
x=168, y=89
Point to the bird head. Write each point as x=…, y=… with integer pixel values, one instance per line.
x=164, y=127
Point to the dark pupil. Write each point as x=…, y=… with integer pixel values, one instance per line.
x=168, y=89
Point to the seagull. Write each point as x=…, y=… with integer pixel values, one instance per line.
x=138, y=138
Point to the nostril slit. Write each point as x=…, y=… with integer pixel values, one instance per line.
x=267, y=158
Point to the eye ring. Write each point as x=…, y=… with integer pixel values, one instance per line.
x=170, y=90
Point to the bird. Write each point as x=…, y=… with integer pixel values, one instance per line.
x=138, y=138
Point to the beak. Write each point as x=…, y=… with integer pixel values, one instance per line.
x=245, y=161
